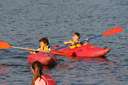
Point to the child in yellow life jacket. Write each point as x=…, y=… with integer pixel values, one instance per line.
x=49, y=61
x=44, y=45
x=75, y=41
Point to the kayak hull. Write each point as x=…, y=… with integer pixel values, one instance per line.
x=42, y=58
x=85, y=51
x=91, y=51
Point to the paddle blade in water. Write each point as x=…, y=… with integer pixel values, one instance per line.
x=112, y=31
x=4, y=45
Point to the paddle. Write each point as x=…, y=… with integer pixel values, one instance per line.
x=6, y=45
x=107, y=33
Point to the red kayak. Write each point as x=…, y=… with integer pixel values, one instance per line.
x=85, y=51
x=44, y=58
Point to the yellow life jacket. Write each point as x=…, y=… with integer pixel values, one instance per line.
x=45, y=49
x=74, y=44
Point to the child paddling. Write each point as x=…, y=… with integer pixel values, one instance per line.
x=44, y=49
x=44, y=45
x=75, y=41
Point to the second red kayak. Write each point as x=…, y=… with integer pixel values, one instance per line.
x=85, y=51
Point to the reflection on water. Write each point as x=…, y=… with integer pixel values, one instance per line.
x=4, y=69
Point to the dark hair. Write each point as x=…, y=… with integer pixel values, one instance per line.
x=38, y=65
x=45, y=40
x=77, y=34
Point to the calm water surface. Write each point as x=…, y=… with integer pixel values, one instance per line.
x=23, y=22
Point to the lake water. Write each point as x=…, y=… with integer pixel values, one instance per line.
x=24, y=22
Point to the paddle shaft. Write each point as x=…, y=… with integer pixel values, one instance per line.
x=91, y=38
x=22, y=48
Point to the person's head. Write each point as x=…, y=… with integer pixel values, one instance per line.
x=37, y=68
x=44, y=41
x=75, y=36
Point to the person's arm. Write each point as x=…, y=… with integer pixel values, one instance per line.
x=68, y=42
x=33, y=52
